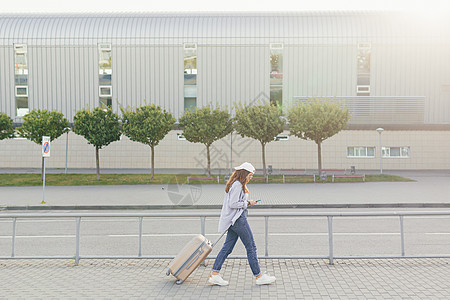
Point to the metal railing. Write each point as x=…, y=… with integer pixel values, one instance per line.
x=203, y=215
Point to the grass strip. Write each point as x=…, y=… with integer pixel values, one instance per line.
x=20, y=179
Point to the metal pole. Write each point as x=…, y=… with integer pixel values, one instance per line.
x=77, y=241
x=330, y=239
x=231, y=153
x=13, y=237
x=266, y=236
x=67, y=149
x=381, y=156
x=140, y=237
x=43, y=185
x=402, y=236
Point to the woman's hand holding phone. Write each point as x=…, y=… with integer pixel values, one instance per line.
x=252, y=202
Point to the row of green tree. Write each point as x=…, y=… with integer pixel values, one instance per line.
x=313, y=120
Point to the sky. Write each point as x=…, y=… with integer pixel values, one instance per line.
x=53, y=6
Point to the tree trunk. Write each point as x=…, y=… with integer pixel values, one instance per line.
x=42, y=170
x=153, y=162
x=97, y=162
x=319, y=157
x=264, y=158
x=208, y=160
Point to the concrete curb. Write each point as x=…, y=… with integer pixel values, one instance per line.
x=175, y=207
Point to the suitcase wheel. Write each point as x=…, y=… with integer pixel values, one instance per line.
x=168, y=272
x=179, y=281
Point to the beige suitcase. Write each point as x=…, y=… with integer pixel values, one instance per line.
x=190, y=257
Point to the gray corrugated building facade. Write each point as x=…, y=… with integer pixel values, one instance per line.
x=391, y=69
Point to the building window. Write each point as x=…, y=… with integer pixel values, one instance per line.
x=402, y=152
x=360, y=151
x=190, y=76
x=276, y=73
x=180, y=137
x=21, y=91
x=105, y=91
x=276, y=94
x=21, y=79
x=363, y=72
x=281, y=137
x=104, y=75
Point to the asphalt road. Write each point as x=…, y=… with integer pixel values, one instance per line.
x=306, y=236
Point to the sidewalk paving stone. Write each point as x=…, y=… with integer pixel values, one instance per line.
x=296, y=278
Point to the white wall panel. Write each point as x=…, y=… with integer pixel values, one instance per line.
x=318, y=71
x=148, y=74
x=230, y=74
x=7, y=98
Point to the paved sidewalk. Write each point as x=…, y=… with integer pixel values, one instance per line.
x=427, y=189
x=296, y=279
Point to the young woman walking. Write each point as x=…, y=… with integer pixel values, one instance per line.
x=234, y=218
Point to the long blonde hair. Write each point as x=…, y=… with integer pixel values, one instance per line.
x=241, y=176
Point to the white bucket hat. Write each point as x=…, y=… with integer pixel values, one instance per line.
x=246, y=166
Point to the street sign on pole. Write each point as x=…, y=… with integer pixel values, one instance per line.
x=45, y=154
x=45, y=146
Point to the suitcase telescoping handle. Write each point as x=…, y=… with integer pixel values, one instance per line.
x=219, y=238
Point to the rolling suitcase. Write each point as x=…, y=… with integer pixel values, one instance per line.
x=190, y=257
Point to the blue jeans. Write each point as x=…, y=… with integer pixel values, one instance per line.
x=242, y=230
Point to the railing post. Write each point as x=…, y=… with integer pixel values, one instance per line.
x=203, y=231
x=266, y=252
x=140, y=237
x=202, y=225
x=402, y=236
x=330, y=239
x=77, y=242
x=13, y=237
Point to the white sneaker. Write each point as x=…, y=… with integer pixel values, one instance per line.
x=265, y=279
x=217, y=279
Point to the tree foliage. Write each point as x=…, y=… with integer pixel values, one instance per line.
x=147, y=125
x=206, y=125
x=39, y=123
x=6, y=127
x=100, y=128
x=317, y=120
x=262, y=122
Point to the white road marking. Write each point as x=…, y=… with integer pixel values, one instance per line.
x=335, y=233
x=87, y=220
x=157, y=235
x=437, y=233
x=270, y=234
x=38, y=236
